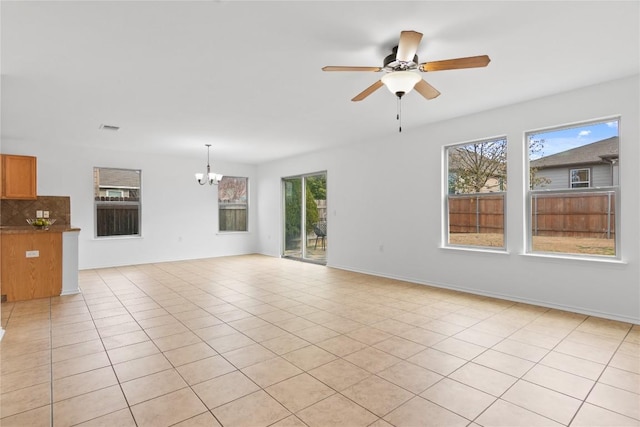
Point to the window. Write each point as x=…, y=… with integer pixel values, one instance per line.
x=476, y=184
x=115, y=193
x=580, y=178
x=117, y=201
x=575, y=216
x=233, y=204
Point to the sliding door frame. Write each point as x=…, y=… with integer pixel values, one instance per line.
x=304, y=254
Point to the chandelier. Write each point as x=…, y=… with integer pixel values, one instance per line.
x=211, y=177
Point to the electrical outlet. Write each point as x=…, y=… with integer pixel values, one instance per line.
x=38, y=214
x=46, y=214
x=32, y=254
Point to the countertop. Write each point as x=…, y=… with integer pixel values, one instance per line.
x=20, y=229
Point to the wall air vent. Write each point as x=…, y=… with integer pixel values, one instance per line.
x=109, y=127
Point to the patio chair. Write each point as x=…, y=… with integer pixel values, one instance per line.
x=320, y=230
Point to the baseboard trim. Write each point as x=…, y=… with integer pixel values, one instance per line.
x=506, y=297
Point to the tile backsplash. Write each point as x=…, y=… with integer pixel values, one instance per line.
x=15, y=212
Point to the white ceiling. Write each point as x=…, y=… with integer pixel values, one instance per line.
x=246, y=76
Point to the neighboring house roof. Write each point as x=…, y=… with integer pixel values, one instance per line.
x=596, y=152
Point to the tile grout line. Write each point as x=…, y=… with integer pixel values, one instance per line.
x=316, y=300
x=521, y=378
x=303, y=372
x=469, y=327
x=596, y=381
x=107, y=354
x=129, y=406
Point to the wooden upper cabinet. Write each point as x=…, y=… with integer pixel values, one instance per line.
x=19, y=177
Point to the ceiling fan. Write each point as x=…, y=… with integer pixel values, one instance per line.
x=400, y=67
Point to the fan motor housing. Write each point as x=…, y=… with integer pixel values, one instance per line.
x=390, y=63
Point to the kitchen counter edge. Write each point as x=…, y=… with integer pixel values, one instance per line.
x=18, y=229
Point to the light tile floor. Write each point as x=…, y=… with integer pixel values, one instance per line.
x=259, y=341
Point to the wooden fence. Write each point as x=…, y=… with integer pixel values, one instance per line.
x=233, y=217
x=118, y=219
x=574, y=215
x=123, y=219
x=476, y=213
x=557, y=214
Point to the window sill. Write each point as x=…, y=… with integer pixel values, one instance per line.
x=226, y=233
x=569, y=257
x=137, y=236
x=479, y=249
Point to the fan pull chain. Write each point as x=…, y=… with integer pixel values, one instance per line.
x=399, y=114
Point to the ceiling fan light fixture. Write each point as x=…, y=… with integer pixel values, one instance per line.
x=400, y=83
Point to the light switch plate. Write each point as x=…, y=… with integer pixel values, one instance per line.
x=38, y=214
x=46, y=214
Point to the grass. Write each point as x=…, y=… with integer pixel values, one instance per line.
x=568, y=245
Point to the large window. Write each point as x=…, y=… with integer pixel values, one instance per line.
x=233, y=203
x=117, y=201
x=476, y=185
x=573, y=190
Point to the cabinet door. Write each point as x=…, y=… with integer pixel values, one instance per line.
x=31, y=265
x=19, y=177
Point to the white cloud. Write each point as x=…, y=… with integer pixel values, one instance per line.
x=584, y=133
x=612, y=124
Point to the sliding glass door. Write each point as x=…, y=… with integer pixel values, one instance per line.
x=305, y=217
x=292, y=217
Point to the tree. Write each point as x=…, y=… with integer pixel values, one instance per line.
x=293, y=214
x=312, y=215
x=473, y=165
x=232, y=189
x=318, y=186
x=293, y=207
x=535, y=151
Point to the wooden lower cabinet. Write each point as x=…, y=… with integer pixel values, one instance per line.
x=26, y=276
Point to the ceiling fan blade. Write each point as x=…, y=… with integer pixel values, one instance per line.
x=456, y=64
x=368, y=91
x=408, y=45
x=426, y=90
x=347, y=68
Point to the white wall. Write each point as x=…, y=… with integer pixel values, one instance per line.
x=179, y=217
x=367, y=183
x=385, y=207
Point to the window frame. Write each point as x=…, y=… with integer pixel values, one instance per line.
x=530, y=193
x=572, y=182
x=449, y=174
x=246, y=205
x=98, y=202
x=120, y=193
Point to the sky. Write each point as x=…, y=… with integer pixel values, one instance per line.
x=565, y=139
